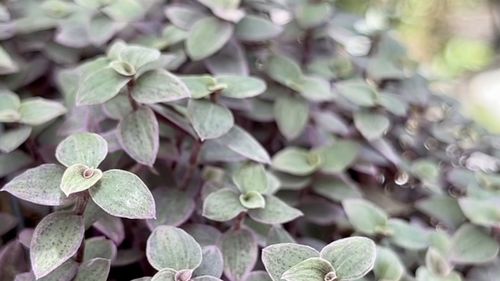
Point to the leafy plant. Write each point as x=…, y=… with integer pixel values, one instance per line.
x=232, y=140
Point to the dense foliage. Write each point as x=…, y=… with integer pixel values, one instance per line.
x=239, y=140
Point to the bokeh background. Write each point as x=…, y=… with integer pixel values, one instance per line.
x=457, y=43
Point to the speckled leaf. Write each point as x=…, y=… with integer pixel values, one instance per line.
x=100, y=86
x=241, y=142
x=138, y=56
x=74, y=179
x=82, y=148
x=159, y=86
x=240, y=251
x=222, y=205
x=351, y=257
x=251, y=177
x=39, y=185
x=212, y=263
x=99, y=247
x=123, y=194
x=94, y=270
x=173, y=248
x=139, y=136
x=275, y=263
x=252, y=200
x=56, y=238
x=164, y=275
x=275, y=212
x=36, y=111
x=173, y=207
x=311, y=269
x=13, y=138
x=207, y=36
x=209, y=120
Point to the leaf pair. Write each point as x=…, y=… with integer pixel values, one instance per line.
x=344, y=259
x=126, y=63
x=253, y=183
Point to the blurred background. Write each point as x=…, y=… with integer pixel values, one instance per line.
x=457, y=43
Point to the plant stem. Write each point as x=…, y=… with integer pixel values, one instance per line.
x=193, y=163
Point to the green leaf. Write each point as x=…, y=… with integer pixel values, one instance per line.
x=100, y=86
x=9, y=106
x=78, y=178
x=123, y=194
x=209, y=120
x=220, y=4
x=296, y=161
x=254, y=29
x=251, y=177
x=13, y=161
x=118, y=107
x=316, y=89
x=436, y=263
x=364, y=216
x=12, y=139
x=278, y=258
x=99, y=247
x=252, y=200
x=212, y=263
x=123, y=68
x=351, y=257
x=165, y=275
x=139, y=135
x=172, y=248
x=240, y=251
x=241, y=142
x=336, y=189
x=159, y=86
x=94, y=270
x=388, y=266
x=284, y=71
x=173, y=207
x=357, y=92
x=207, y=36
x=407, y=235
x=312, y=269
x=291, y=125
x=480, y=211
x=56, y=239
x=443, y=208
x=138, y=56
x=241, y=87
x=472, y=245
x=199, y=85
x=39, y=185
x=36, y=111
x=371, y=125
x=275, y=212
x=222, y=205
x=339, y=156
x=310, y=15
x=7, y=65
x=82, y=148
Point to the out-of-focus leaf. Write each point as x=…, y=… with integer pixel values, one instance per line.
x=209, y=120
x=207, y=36
x=159, y=86
x=291, y=125
x=12, y=139
x=240, y=251
x=36, y=111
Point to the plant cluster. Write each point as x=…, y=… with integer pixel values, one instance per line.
x=237, y=140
